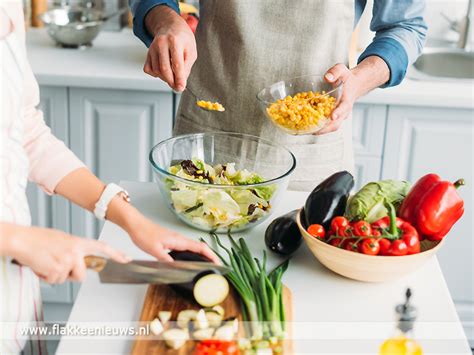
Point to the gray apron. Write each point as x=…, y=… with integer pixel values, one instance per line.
x=245, y=45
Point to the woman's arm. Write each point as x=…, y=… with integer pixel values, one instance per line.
x=61, y=255
x=84, y=189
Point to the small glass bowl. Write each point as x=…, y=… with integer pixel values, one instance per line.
x=316, y=83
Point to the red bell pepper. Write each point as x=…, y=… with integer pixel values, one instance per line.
x=409, y=206
x=433, y=206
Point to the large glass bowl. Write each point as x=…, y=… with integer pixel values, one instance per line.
x=280, y=90
x=222, y=208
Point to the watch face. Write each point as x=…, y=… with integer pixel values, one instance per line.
x=124, y=195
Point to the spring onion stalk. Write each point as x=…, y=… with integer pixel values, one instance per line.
x=261, y=292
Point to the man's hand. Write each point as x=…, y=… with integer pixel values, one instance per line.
x=371, y=73
x=173, y=50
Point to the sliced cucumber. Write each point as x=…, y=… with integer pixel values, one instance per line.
x=210, y=290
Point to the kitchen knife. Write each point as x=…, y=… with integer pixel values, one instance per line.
x=149, y=272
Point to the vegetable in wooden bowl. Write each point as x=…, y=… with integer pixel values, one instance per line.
x=368, y=268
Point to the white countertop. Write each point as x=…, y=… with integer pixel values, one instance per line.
x=116, y=61
x=332, y=314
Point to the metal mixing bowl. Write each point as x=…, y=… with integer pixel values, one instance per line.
x=73, y=26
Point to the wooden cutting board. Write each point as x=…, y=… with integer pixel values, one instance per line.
x=163, y=298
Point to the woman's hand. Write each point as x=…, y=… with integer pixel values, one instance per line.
x=53, y=255
x=173, y=51
x=157, y=241
x=372, y=72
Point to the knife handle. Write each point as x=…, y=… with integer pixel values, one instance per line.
x=96, y=263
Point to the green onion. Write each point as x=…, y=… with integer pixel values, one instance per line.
x=261, y=292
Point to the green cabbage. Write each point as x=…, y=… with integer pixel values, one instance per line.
x=211, y=207
x=369, y=203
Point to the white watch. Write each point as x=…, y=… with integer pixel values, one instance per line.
x=110, y=191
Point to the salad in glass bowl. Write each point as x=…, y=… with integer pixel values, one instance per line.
x=221, y=181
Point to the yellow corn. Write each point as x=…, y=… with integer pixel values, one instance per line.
x=211, y=106
x=302, y=111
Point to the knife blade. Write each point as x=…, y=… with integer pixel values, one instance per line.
x=149, y=272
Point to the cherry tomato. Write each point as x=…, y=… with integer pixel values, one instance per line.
x=317, y=231
x=398, y=248
x=370, y=246
x=384, y=244
x=384, y=223
x=338, y=223
x=376, y=232
x=351, y=245
x=336, y=242
x=362, y=229
x=413, y=244
x=344, y=231
x=217, y=347
x=410, y=237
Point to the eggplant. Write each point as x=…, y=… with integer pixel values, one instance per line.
x=282, y=235
x=208, y=288
x=328, y=199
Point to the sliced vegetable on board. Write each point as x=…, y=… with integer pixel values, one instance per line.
x=208, y=289
x=282, y=235
x=328, y=199
x=433, y=206
x=369, y=203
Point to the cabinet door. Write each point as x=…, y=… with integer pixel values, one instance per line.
x=112, y=131
x=424, y=140
x=52, y=211
x=368, y=132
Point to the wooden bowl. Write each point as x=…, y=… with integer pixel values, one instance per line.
x=368, y=268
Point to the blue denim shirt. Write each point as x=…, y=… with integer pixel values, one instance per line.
x=399, y=27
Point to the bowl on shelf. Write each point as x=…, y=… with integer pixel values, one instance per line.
x=301, y=119
x=75, y=26
x=368, y=268
x=203, y=201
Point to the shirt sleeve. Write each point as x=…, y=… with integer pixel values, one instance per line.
x=49, y=158
x=400, y=33
x=140, y=9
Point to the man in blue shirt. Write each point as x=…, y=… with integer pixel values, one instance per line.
x=245, y=45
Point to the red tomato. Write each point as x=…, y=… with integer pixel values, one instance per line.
x=317, y=231
x=338, y=223
x=217, y=347
x=344, y=231
x=382, y=223
x=384, y=246
x=369, y=246
x=376, y=232
x=362, y=229
x=351, y=245
x=398, y=248
x=413, y=244
x=336, y=242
